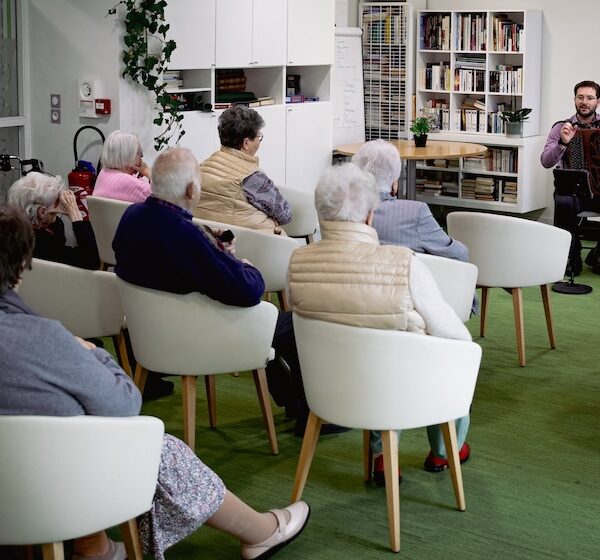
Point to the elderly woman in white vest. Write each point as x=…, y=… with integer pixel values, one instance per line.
x=351, y=291
x=234, y=189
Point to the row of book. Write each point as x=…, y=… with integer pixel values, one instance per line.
x=488, y=189
x=384, y=28
x=435, y=32
x=435, y=76
x=509, y=80
x=506, y=35
x=471, y=32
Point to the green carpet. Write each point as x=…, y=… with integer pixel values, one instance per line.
x=532, y=485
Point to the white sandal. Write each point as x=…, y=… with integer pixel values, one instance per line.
x=285, y=533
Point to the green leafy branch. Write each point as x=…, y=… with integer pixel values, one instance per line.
x=144, y=20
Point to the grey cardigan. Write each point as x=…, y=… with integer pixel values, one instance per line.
x=45, y=371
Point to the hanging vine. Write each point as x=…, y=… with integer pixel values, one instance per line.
x=145, y=21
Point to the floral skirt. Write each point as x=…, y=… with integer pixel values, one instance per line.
x=187, y=494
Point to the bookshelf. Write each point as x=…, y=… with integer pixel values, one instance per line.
x=266, y=42
x=508, y=178
x=471, y=64
x=387, y=51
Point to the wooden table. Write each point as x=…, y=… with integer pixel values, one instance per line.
x=435, y=149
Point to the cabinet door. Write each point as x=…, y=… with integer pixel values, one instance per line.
x=234, y=34
x=269, y=32
x=311, y=27
x=308, y=146
x=193, y=29
x=199, y=134
x=271, y=155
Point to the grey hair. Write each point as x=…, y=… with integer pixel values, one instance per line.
x=34, y=191
x=173, y=170
x=120, y=150
x=382, y=160
x=346, y=193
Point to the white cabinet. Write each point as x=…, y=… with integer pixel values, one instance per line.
x=250, y=33
x=310, y=36
x=271, y=155
x=201, y=136
x=308, y=144
x=193, y=29
x=473, y=64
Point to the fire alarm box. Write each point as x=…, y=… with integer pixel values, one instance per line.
x=102, y=106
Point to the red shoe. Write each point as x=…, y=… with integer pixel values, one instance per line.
x=378, y=472
x=435, y=464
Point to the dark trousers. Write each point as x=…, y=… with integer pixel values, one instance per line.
x=566, y=209
x=285, y=385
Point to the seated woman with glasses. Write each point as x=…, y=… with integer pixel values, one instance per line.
x=45, y=370
x=42, y=198
x=234, y=189
x=124, y=175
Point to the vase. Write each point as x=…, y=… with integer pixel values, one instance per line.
x=420, y=141
x=514, y=129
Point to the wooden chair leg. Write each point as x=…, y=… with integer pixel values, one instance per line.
x=141, y=375
x=485, y=292
x=121, y=348
x=309, y=444
x=548, y=312
x=188, y=383
x=450, y=441
x=367, y=455
x=392, y=486
x=262, y=389
x=517, y=297
x=282, y=301
x=210, y=382
x=131, y=538
x=53, y=551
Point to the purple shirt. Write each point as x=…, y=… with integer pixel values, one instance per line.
x=554, y=153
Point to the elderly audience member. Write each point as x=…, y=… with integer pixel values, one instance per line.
x=234, y=189
x=42, y=197
x=157, y=246
x=350, y=278
x=403, y=222
x=45, y=370
x=124, y=175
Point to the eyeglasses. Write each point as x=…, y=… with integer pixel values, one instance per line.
x=580, y=98
x=260, y=137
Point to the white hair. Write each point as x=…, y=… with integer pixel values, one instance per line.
x=346, y=193
x=120, y=150
x=173, y=170
x=34, y=191
x=382, y=160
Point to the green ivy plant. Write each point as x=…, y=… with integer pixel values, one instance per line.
x=145, y=20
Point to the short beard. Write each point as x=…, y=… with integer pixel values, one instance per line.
x=586, y=116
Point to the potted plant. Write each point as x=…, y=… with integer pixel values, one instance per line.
x=514, y=120
x=420, y=127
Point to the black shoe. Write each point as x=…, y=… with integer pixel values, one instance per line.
x=326, y=429
x=156, y=388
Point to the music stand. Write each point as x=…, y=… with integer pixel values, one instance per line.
x=576, y=183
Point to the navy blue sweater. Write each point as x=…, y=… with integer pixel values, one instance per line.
x=157, y=246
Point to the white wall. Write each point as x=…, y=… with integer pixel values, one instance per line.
x=69, y=40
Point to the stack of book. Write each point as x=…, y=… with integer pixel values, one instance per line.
x=260, y=101
x=172, y=79
x=231, y=80
x=477, y=163
x=485, y=188
x=468, y=188
x=509, y=192
x=469, y=73
x=450, y=188
x=432, y=187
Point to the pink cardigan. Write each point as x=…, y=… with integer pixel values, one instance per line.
x=121, y=186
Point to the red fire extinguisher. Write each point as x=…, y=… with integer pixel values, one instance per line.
x=83, y=176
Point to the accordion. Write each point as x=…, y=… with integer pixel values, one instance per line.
x=584, y=153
